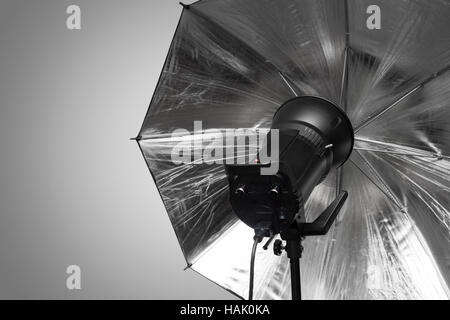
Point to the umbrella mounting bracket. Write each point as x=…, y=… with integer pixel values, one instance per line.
x=297, y=233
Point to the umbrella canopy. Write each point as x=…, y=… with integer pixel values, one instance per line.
x=233, y=63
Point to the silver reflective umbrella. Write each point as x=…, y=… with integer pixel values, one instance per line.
x=232, y=63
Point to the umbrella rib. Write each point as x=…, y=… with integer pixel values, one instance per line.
x=380, y=179
x=389, y=194
x=344, y=88
x=344, y=83
x=286, y=80
x=380, y=113
x=398, y=153
x=386, y=109
x=375, y=184
x=419, y=153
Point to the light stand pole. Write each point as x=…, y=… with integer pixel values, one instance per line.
x=294, y=252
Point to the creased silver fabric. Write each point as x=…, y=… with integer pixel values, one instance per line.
x=232, y=63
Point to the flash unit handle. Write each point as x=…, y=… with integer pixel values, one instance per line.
x=323, y=223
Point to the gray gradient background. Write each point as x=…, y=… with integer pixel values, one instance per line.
x=73, y=188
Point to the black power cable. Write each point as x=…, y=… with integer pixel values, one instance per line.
x=252, y=270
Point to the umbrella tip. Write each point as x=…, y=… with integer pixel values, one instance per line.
x=138, y=138
x=185, y=6
x=189, y=266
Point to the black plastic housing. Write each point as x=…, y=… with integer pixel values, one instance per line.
x=322, y=116
x=315, y=137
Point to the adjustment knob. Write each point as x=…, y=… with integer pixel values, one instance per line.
x=278, y=247
x=240, y=191
x=274, y=192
